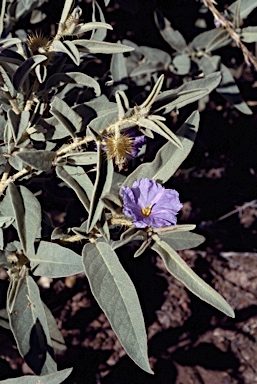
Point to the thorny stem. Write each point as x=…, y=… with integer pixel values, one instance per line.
x=248, y=56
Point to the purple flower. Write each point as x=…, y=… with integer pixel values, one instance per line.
x=150, y=204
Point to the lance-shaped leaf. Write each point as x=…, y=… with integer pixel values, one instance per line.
x=8, y=86
x=98, y=34
x=60, y=79
x=248, y=34
x=159, y=127
x=65, y=115
x=29, y=326
x=246, y=7
x=94, y=46
x=2, y=13
x=179, y=268
x=53, y=260
x=78, y=180
x=169, y=157
x=69, y=49
x=153, y=95
x=24, y=69
x=56, y=336
x=182, y=240
x=173, y=38
x=19, y=124
x=66, y=11
x=210, y=40
x=119, y=72
x=187, y=93
x=37, y=159
x=53, y=378
x=117, y=296
x=82, y=28
x=27, y=212
x=103, y=183
x=80, y=158
x=230, y=91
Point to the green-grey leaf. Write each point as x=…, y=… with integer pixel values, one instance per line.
x=173, y=38
x=181, y=64
x=230, y=91
x=24, y=69
x=53, y=378
x=19, y=124
x=2, y=13
x=119, y=72
x=78, y=180
x=182, y=240
x=247, y=6
x=186, y=93
x=82, y=28
x=80, y=158
x=179, y=268
x=102, y=185
x=53, y=260
x=69, y=48
x=7, y=82
x=159, y=127
x=169, y=157
x=94, y=46
x=27, y=212
x=249, y=34
x=117, y=296
x=38, y=159
x=66, y=116
x=56, y=336
x=29, y=326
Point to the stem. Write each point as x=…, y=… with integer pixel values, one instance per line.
x=4, y=183
x=248, y=56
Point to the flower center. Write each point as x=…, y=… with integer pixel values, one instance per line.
x=146, y=211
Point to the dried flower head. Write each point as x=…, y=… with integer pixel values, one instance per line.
x=122, y=147
x=150, y=204
x=38, y=43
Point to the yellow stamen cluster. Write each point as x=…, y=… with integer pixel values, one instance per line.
x=146, y=211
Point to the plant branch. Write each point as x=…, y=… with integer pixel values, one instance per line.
x=248, y=56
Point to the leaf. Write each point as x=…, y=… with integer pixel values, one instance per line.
x=68, y=48
x=19, y=124
x=247, y=6
x=116, y=295
x=186, y=93
x=2, y=13
x=119, y=72
x=122, y=104
x=53, y=378
x=230, y=91
x=157, y=126
x=94, y=46
x=82, y=28
x=210, y=40
x=29, y=326
x=179, y=269
x=248, y=34
x=53, y=260
x=78, y=180
x=103, y=183
x=7, y=81
x=182, y=240
x=80, y=158
x=169, y=157
x=65, y=115
x=24, y=69
x=236, y=18
x=6, y=221
x=38, y=159
x=27, y=212
x=66, y=10
x=59, y=79
x=181, y=64
x=41, y=72
x=99, y=34
x=172, y=37
x=56, y=336
x=153, y=94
